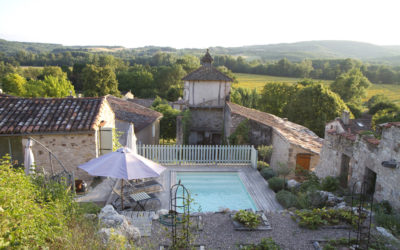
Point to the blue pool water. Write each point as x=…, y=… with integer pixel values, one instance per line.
x=212, y=191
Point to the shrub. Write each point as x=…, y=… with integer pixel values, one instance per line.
x=389, y=221
x=261, y=165
x=313, y=219
x=276, y=184
x=267, y=173
x=248, y=218
x=310, y=199
x=330, y=184
x=286, y=199
x=241, y=134
x=265, y=152
x=311, y=183
x=355, y=109
x=265, y=244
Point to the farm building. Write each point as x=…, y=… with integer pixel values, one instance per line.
x=355, y=156
x=292, y=143
x=205, y=91
x=75, y=130
x=146, y=121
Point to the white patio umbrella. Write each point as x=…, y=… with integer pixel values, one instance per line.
x=123, y=164
x=131, y=139
x=29, y=160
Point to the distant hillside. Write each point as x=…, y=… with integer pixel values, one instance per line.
x=292, y=51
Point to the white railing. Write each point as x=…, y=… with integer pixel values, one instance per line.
x=199, y=154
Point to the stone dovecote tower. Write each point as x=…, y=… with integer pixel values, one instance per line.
x=205, y=92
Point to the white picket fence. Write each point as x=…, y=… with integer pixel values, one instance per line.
x=199, y=154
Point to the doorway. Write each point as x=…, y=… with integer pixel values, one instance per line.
x=344, y=171
x=370, y=179
x=303, y=162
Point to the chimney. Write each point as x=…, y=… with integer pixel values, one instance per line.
x=346, y=117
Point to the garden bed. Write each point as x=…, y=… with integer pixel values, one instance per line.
x=263, y=226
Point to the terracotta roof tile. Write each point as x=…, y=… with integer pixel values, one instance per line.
x=129, y=111
x=207, y=73
x=292, y=132
x=48, y=115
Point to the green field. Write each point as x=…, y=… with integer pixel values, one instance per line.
x=258, y=81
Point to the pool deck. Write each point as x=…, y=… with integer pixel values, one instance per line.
x=255, y=184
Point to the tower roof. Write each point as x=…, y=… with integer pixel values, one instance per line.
x=207, y=72
x=207, y=58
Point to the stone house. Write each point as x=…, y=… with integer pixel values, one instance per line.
x=76, y=130
x=292, y=143
x=356, y=156
x=205, y=91
x=146, y=121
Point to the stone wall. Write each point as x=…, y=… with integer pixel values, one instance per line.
x=280, y=153
x=333, y=148
x=207, y=119
x=144, y=136
x=370, y=156
x=72, y=150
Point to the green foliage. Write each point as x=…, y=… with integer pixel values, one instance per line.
x=245, y=97
x=139, y=79
x=330, y=184
x=174, y=92
x=312, y=182
x=241, y=134
x=313, y=219
x=382, y=106
x=351, y=86
x=310, y=199
x=265, y=152
x=116, y=134
x=375, y=99
x=248, y=218
x=265, y=244
x=276, y=184
x=261, y=165
x=286, y=199
x=355, y=109
x=383, y=116
x=99, y=81
x=186, y=123
x=313, y=106
x=168, y=122
x=275, y=96
x=51, y=86
x=267, y=173
x=14, y=84
x=386, y=217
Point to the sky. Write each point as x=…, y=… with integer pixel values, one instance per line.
x=198, y=24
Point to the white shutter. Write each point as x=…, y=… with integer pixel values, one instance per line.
x=106, y=140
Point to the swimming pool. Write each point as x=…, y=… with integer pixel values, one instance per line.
x=212, y=191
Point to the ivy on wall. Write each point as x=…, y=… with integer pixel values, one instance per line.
x=186, y=123
x=241, y=134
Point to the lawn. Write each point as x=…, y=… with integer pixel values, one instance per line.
x=392, y=91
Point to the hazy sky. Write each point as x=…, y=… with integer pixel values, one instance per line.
x=188, y=23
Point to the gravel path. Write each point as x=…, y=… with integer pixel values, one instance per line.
x=218, y=233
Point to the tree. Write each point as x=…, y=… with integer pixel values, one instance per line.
x=99, y=81
x=275, y=96
x=51, y=86
x=386, y=115
x=351, y=86
x=168, y=122
x=313, y=106
x=139, y=80
x=53, y=71
x=167, y=76
x=245, y=97
x=14, y=84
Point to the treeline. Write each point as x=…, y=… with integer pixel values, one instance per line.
x=317, y=69
x=328, y=69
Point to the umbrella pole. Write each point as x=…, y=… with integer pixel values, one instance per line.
x=122, y=194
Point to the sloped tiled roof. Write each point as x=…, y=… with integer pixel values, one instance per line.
x=207, y=73
x=129, y=111
x=48, y=115
x=292, y=132
x=145, y=102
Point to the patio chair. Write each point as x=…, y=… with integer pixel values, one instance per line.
x=147, y=186
x=133, y=200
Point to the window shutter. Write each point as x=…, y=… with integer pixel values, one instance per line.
x=106, y=142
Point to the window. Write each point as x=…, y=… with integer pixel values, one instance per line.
x=13, y=147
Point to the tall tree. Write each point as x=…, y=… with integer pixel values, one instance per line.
x=351, y=86
x=313, y=106
x=14, y=84
x=50, y=86
x=275, y=96
x=99, y=81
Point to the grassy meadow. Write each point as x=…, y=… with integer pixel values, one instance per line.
x=392, y=91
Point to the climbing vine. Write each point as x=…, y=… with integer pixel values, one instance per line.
x=241, y=134
x=186, y=123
